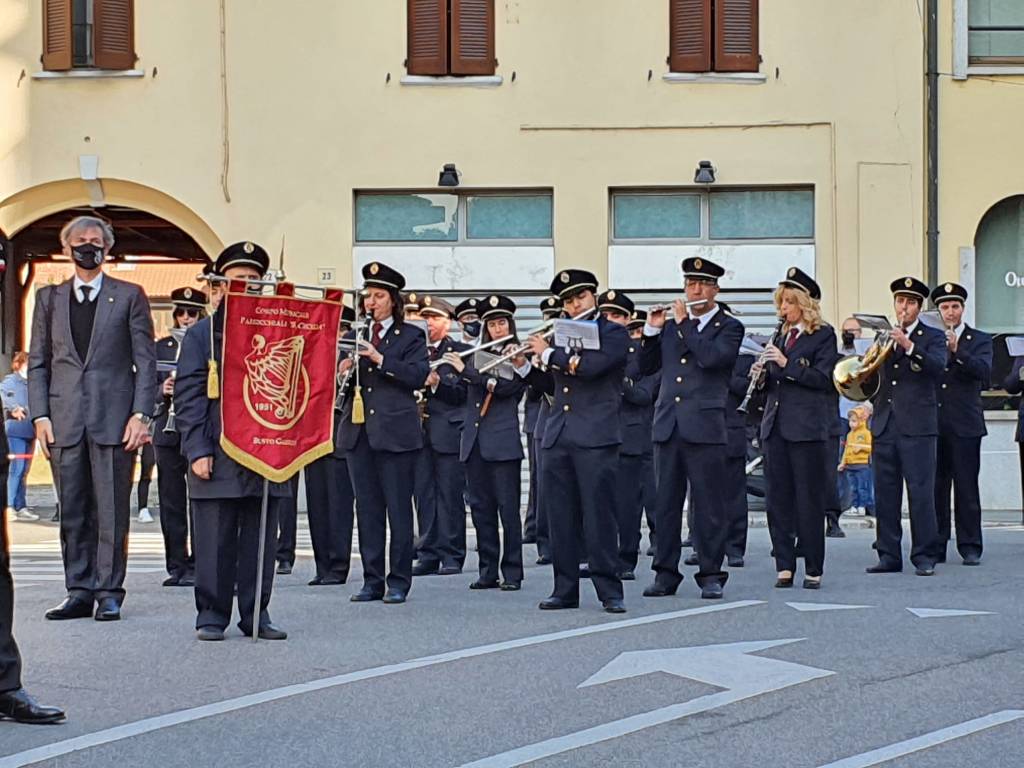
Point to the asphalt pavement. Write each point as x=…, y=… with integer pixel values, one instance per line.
x=843, y=677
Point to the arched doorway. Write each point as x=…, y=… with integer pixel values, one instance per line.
x=999, y=267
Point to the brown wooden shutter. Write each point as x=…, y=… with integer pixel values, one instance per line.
x=736, y=46
x=427, y=27
x=689, y=35
x=473, y=37
x=114, y=34
x=56, y=35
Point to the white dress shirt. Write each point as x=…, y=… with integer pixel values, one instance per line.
x=95, y=284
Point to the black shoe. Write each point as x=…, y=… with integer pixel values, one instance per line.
x=833, y=531
x=511, y=586
x=557, y=604
x=316, y=581
x=107, y=609
x=692, y=559
x=614, y=605
x=484, y=584
x=924, y=570
x=657, y=590
x=171, y=581
x=449, y=570
x=366, y=596
x=783, y=582
x=71, y=608
x=812, y=583
x=627, y=576
x=56, y=517
x=210, y=634
x=881, y=568
x=283, y=568
x=17, y=705
x=711, y=591
x=543, y=560
x=188, y=580
x=269, y=632
x=394, y=597
x=972, y=560
x=425, y=569
x=736, y=561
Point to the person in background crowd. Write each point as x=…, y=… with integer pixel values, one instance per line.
x=637, y=321
x=91, y=390
x=288, y=529
x=856, y=462
x=146, y=462
x=20, y=435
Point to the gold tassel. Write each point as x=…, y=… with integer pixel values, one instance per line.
x=213, y=382
x=357, y=407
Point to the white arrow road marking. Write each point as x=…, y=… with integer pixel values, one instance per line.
x=811, y=607
x=942, y=613
x=150, y=724
x=933, y=739
x=725, y=666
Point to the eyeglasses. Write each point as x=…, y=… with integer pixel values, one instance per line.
x=178, y=311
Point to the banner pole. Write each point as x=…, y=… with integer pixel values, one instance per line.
x=257, y=609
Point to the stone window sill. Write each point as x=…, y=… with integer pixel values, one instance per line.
x=87, y=74
x=981, y=69
x=738, y=78
x=474, y=80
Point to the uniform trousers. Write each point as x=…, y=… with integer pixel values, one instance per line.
x=530, y=523
x=579, y=490
x=227, y=540
x=736, y=505
x=330, y=505
x=650, y=492
x=175, y=513
x=10, y=659
x=383, y=483
x=543, y=522
x=95, y=491
x=797, y=511
x=147, y=461
x=425, y=498
x=496, y=496
x=444, y=540
x=288, y=525
x=957, y=468
x=629, y=507
x=895, y=459
x=701, y=465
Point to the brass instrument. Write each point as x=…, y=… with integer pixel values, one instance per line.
x=757, y=381
x=854, y=377
x=523, y=348
x=179, y=336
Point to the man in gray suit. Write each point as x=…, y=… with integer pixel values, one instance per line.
x=91, y=387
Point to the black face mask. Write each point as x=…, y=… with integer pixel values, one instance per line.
x=472, y=329
x=847, y=338
x=87, y=256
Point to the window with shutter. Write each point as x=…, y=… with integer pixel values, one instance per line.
x=472, y=25
x=713, y=36
x=56, y=35
x=427, y=29
x=450, y=37
x=113, y=28
x=88, y=34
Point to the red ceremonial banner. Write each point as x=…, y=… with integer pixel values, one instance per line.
x=278, y=378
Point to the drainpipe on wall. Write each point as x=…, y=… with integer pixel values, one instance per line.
x=932, y=140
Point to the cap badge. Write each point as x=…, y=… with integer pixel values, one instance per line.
x=248, y=247
x=792, y=272
x=611, y=295
x=472, y=302
x=188, y=293
x=908, y=282
x=412, y=298
x=698, y=263
x=493, y=301
x=564, y=277
x=949, y=287
x=426, y=301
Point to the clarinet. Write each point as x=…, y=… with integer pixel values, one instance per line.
x=756, y=382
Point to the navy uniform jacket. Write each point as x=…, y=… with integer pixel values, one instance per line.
x=802, y=390
x=446, y=406
x=166, y=352
x=1014, y=385
x=695, y=371
x=197, y=419
x=586, y=405
x=496, y=434
x=638, y=396
x=392, y=420
x=736, y=422
x=968, y=371
x=909, y=384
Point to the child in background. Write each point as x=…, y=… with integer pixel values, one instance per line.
x=856, y=462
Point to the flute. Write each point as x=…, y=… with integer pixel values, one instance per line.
x=666, y=307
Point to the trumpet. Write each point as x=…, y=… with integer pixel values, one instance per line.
x=539, y=330
x=472, y=350
x=179, y=336
x=756, y=381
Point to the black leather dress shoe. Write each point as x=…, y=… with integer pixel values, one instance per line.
x=735, y=561
x=511, y=586
x=425, y=569
x=812, y=583
x=171, y=581
x=283, y=568
x=711, y=591
x=615, y=605
x=210, y=634
x=882, y=568
x=972, y=560
x=17, y=705
x=316, y=581
x=188, y=580
x=659, y=590
x=107, y=609
x=543, y=560
x=783, y=582
x=331, y=580
x=394, y=597
x=691, y=559
x=627, y=576
x=484, y=584
x=556, y=604
x=269, y=632
x=366, y=596
x=449, y=570
x=71, y=608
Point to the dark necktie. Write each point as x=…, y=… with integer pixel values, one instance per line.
x=86, y=290
x=791, y=339
x=375, y=339
x=434, y=352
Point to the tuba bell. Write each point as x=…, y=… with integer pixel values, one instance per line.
x=855, y=377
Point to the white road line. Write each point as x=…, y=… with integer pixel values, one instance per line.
x=933, y=739
x=150, y=724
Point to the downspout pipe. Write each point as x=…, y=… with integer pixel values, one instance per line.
x=932, y=140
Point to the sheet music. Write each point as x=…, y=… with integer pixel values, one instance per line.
x=1015, y=345
x=577, y=334
x=874, y=322
x=933, y=319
